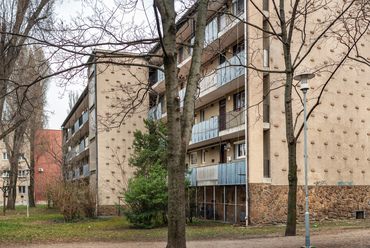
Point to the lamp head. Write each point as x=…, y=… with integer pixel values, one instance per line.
x=303, y=77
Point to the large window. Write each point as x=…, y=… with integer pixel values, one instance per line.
x=239, y=100
x=5, y=156
x=6, y=173
x=239, y=150
x=21, y=173
x=238, y=6
x=22, y=189
x=193, y=158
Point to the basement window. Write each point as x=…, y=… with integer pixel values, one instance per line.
x=360, y=214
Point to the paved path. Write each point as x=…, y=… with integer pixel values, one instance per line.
x=352, y=239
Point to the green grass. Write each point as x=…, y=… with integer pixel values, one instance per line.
x=44, y=225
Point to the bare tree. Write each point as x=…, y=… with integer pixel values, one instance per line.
x=19, y=19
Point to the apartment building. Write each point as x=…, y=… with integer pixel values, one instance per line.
x=98, y=132
x=21, y=190
x=238, y=150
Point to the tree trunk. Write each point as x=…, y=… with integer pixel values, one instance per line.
x=12, y=184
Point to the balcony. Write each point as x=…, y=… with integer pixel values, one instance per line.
x=205, y=130
x=86, y=170
x=211, y=32
x=158, y=112
x=182, y=96
x=232, y=173
x=207, y=175
x=208, y=84
x=192, y=176
x=231, y=69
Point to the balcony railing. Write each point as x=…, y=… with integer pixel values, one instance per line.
x=231, y=69
x=160, y=75
x=192, y=176
x=211, y=32
x=232, y=119
x=77, y=173
x=158, y=112
x=81, y=146
x=205, y=130
x=182, y=96
x=208, y=82
x=86, y=170
x=231, y=173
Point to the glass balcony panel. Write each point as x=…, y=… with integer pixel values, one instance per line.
x=160, y=75
x=231, y=173
x=182, y=96
x=232, y=119
x=85, y=117
x=158, y=115
x=205, y=130
x=231, y=69
x=86, y=170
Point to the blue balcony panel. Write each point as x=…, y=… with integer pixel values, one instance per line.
x=86, y=170
x=192, y=176
x=182, y=96
x=231, y=173
x=160, y=75
x=205, y=130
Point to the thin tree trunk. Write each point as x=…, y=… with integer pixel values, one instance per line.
x=31, y=189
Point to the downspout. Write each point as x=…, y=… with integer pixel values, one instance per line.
x=96, y=139
x=245, y=114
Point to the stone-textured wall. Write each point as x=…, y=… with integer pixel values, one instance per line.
x=108, y=210
x=268, y=203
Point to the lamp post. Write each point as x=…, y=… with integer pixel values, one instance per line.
x=28, y=202
x=303, y=77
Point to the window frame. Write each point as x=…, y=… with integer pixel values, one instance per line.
x=21, y=173
x=21, y=191
x=6, y=173
x=203, y=159
x=239, y=99
x=191, y=159
x=5, y=156
x=237, y=150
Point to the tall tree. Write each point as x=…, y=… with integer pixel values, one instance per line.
x=18, y=21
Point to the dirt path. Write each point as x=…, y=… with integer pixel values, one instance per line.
x=351, y=239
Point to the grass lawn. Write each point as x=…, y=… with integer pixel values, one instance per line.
x=45, y=225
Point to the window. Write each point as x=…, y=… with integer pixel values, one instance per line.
x=238, y=6
x=21, y=173
x=240, y=150
x=6, y=173
x=5, y=189
x=193, y=158
x=203, y=156
x=238, y=47
x=4, y=140
x=239, y=100
x=22, y=189
x=5, y=156
x=201, y=115
x=221, y=58
x=21, y=157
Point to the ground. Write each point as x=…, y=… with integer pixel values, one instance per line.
x=344, y=238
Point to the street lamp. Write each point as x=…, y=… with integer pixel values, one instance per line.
x=303, y=77
x=28, y=201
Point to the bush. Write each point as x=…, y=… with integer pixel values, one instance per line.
x=73, y=199
x=147, y=198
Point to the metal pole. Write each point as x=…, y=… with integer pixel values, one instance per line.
x=196, y=201
x=204, y=203
x=236, y=201
x=28, y=203
x=224, y=205
x=214, y=203
x=306, y=215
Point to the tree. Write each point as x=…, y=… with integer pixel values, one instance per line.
x=147, y=198
x=24, y=105
x=72, y=99
x=19, y=19
x=149, y=149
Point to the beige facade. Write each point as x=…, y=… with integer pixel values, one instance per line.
x=224, y=145
x=100, y=145
x=22, y=166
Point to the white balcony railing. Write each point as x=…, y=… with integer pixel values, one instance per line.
x=205, y=130
x=231, y=69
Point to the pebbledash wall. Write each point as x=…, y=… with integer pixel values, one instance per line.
x=268, y=203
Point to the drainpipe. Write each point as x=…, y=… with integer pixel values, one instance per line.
x=96, y=140
x=245, y=113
